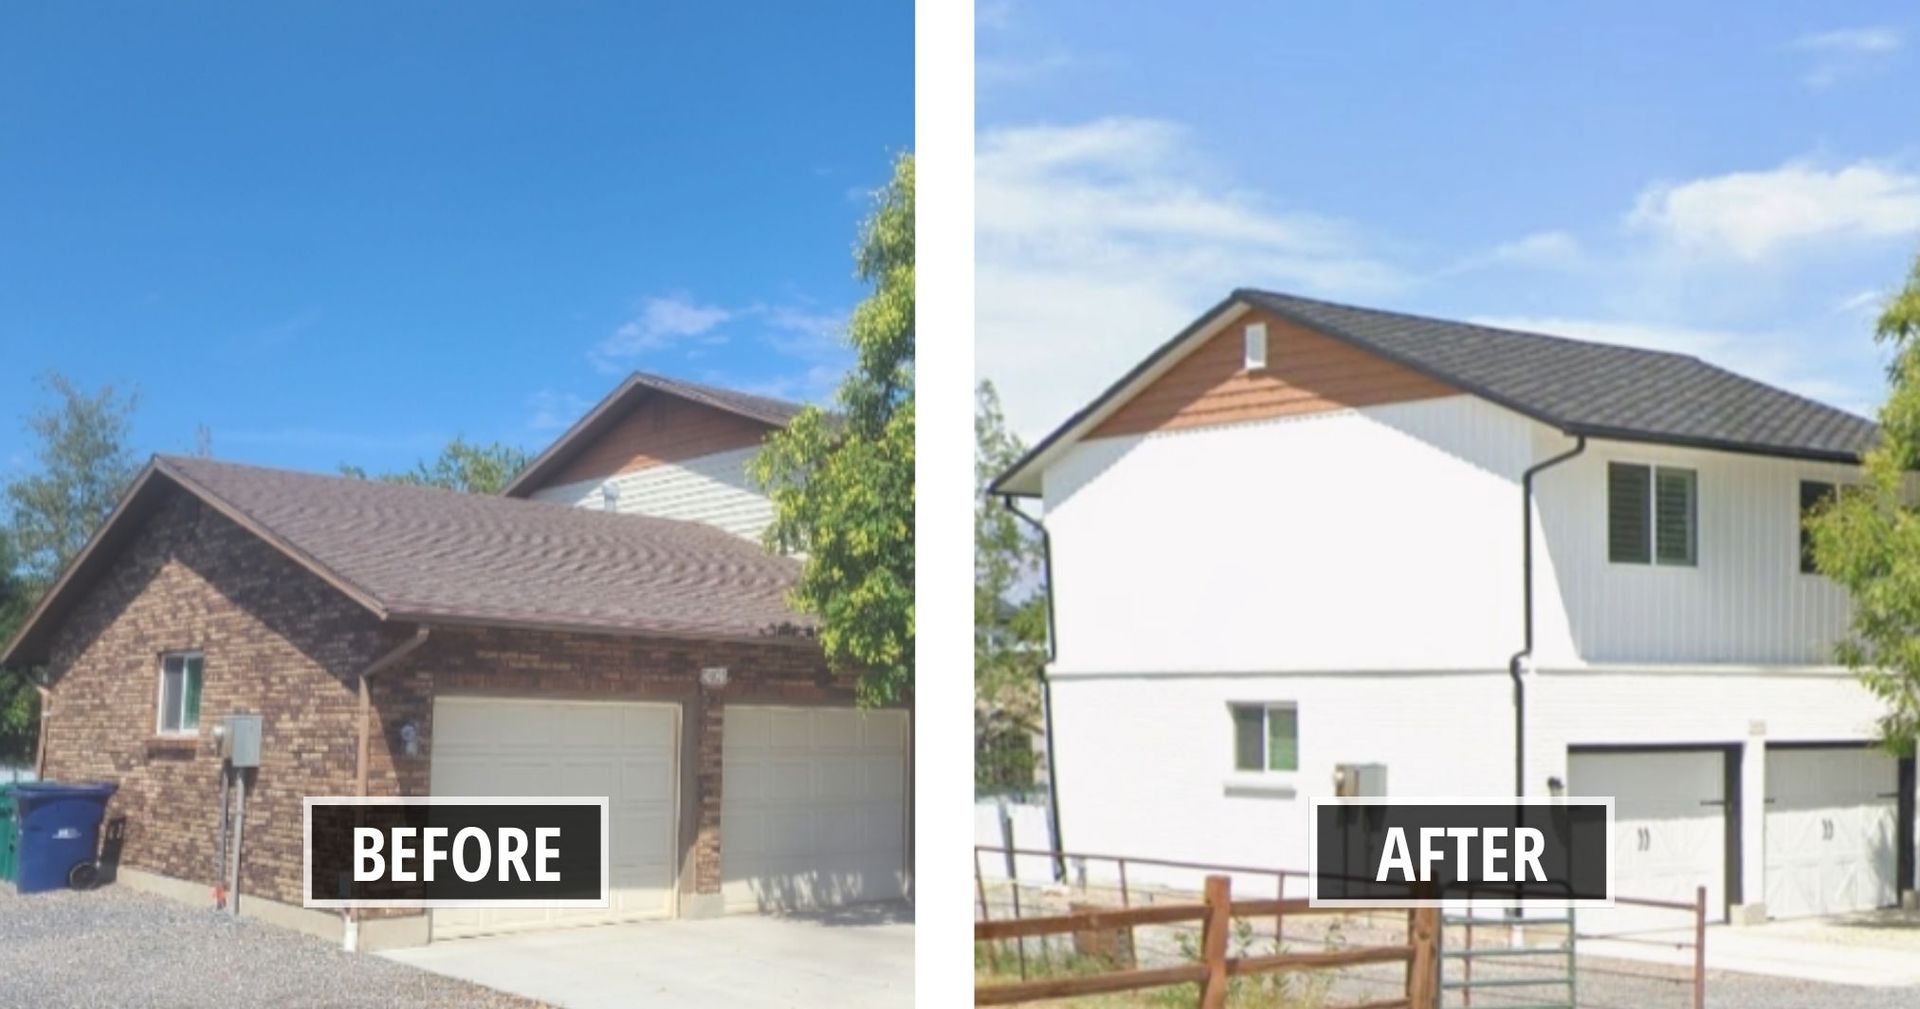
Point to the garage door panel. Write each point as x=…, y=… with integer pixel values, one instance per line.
x=1670, y=831
x=791, y=781
x=625, y=751
x=790, y=729
x=1830, y=830
x=806, y=829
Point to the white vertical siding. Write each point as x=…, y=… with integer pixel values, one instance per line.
x=711, y=488
x=1381, y=538
x=1746, y=600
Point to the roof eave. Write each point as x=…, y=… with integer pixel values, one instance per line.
x=1022, y=479
x=438, y=617
x=31, y=636
x=564, y=447
x=1604, y=433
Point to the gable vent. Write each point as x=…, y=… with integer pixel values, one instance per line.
x=1256, y=342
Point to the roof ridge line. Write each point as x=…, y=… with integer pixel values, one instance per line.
x=1257, y=292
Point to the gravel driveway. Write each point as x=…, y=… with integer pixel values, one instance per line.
x=120, y=947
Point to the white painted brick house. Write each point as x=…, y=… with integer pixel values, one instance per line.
x=1297, y=537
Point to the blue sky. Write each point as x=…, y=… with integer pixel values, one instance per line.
x=1741, y=188
x=348, y=232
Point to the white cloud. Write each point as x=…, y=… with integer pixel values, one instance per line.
x=1777, y=359
x=1867, y=302
x=1096, y=241
x=1552, y=250
x=662, y=322
x=1847, y=52
x=1852, y=40
x=1752, y=216
x=805, y=332
x=554, y=411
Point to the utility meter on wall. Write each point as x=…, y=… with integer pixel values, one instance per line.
x=239, y=738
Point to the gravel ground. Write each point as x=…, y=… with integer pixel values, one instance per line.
x=119, y=947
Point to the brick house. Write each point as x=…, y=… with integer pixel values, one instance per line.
x=521, y=646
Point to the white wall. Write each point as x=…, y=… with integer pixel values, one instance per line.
x=1746, y=600
x=1389, y=538
x=712, y=488
x=1386, y=537
x=1145, y=763
x=1027, y=821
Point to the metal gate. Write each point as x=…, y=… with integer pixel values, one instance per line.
x=1529, y=962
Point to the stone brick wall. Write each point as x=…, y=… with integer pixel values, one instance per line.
x=280, y=642
x=277, y=640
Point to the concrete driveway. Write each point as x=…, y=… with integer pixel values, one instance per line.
x=1872, y=948
x=858, y=958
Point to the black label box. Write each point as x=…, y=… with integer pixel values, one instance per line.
x=1424, y=852
x=455, y=851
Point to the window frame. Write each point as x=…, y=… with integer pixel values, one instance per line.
x=160, y=694
x=1805, y=562
x=1654, y=471
x=1266, y=709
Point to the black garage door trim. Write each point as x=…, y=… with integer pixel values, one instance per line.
x=1730, y=760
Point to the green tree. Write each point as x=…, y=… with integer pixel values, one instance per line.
x=84, y=465
x=19, y=701
x=1009, y=611
x=1867, y=538
x=842, y=483
x=462, y=466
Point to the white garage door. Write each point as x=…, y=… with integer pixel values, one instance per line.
x=813, y=809
x=1831, y=817
x=1669, y=832
x=627, y=752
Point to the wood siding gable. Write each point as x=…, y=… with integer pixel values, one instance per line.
x=1306, y=373
x=660, y=430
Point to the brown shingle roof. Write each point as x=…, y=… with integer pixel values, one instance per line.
x=437, y=556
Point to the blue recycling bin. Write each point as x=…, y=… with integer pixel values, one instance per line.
x=59, y=831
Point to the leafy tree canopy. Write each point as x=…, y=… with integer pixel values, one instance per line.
x=1867, y=538
x=83, y=465
x=1009, y=611
x=463, y=466
x=842, y=483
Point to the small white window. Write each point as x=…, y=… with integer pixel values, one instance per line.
x=180, y=674
x=1266, y=737
x=1256, y=346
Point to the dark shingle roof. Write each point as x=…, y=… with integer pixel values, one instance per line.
x=608, y=412
x=763, y=408
x=1584, y=388
x=1597, y=389
x=419, y=554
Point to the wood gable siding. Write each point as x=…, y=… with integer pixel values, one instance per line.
x=662, y=429
x=1306, y=373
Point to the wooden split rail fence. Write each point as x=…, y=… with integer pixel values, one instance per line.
x=1215, y=912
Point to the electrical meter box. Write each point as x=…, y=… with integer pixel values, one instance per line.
x=240, y=740
x=1360, y=779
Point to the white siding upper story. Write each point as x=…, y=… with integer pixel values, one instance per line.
x=1389, y=538
x=712, y=488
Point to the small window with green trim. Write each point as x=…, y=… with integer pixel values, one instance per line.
x=180, y=674
x=1266, y=737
